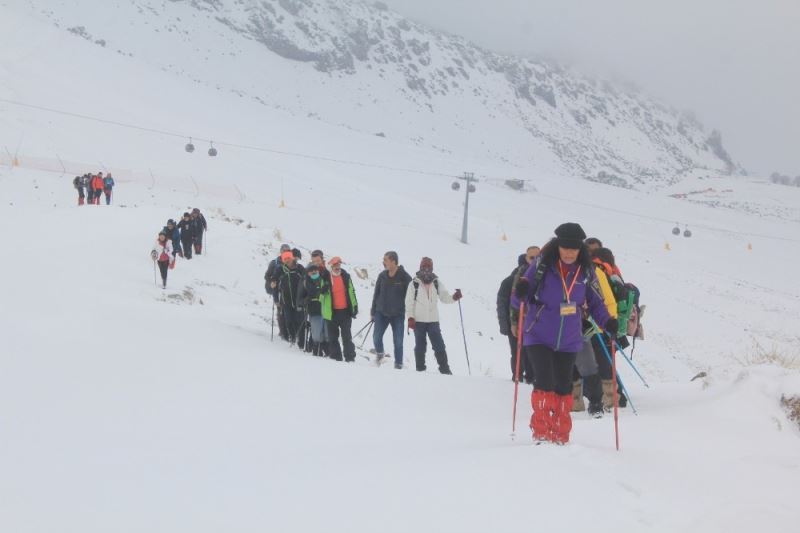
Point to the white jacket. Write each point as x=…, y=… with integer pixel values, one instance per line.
x=425, y=308
x=165, y=248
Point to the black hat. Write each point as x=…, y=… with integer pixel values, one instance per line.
x=185, y=214
x=570, y=235
x=522, y=260
x=170, y=221
x=311, y=267
x=296, y=253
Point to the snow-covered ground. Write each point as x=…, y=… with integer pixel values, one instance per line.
x=127, y=408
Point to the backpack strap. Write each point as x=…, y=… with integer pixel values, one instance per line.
x=416, y=288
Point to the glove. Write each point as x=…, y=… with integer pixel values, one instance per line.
x=457, y=295
x=411, y=323
x=612, y=327
x=522, y=289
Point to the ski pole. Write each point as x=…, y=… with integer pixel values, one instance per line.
x=366, y=335
x=616, y=377
x=630, y=362
x=272, y=333
x=464, y=334
x=155, y=279
x=516, y=370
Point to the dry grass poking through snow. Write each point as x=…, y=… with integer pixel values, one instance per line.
x=759, y=355
x=791, y=405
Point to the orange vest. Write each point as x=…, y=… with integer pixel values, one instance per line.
x=339, y=293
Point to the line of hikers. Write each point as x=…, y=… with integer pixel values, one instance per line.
x=571, y=303
x=91, y=186
x=316, y=305
x=179, y=239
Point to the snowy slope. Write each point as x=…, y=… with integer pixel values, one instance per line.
x=126, y=408
x=367, y=69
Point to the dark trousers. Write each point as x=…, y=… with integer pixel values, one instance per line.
x=341, y=323
x=382, y=322
x=430, y=330
x=163, y=266
x=108, y=196
x=552, y=370
x=186, y=244
x=293, y=322
x=281, y=318
x=525, y=368
x=198, y=244
x=97, y=194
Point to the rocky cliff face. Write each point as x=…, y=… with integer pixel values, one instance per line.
x=383, y=73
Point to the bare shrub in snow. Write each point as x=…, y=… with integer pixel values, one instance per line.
x=791, y=404
x=759, y=355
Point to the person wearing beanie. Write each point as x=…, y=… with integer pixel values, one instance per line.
x=186, y=227
x=422, y=309
x=174, y=235
x=310, y=295
x=271, y=277
x=162, y=254
x=339, y=308
x=200, y=227
x=554, y=290
x=508, y=316
x=389, y=306
x=291, y=277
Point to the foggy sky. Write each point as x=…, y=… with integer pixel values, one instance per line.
x=735, y=63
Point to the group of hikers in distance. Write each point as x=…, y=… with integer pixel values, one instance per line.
x=179, y=239
x=316, y=305
x=564, y=308
x=91, y=186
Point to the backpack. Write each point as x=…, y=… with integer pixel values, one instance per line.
x=416, y=287
x=76, y=182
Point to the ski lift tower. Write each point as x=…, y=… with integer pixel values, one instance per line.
x=470, y=178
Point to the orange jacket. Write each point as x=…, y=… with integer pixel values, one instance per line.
x=97, y=183
x=338, y=292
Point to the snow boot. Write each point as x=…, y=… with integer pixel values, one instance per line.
x=562, y=419
x=398, y=366
x=577, y=396
x=541, y=419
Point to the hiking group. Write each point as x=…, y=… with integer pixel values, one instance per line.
x=564, y=309
x=316, y=306
x=91, y=186
x=182, y=239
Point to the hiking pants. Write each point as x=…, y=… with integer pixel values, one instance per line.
x=422, y=332
x=382, y=322
x=341, y=323
x=163, y=266
x=552, y=370
x=186, y=244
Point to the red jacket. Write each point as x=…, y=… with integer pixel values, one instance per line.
x=97, y=183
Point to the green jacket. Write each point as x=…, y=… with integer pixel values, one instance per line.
x=326, y=298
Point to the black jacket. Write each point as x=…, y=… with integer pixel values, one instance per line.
x=273, y=273
x=308, y=294
x=505, y=314
x=187, y=230
x=289, y=283
x=390, y=293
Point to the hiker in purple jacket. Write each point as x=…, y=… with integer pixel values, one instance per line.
x=554, y=290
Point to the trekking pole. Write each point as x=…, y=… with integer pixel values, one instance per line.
x=630, y=362
x=616, y=395
x=516, y=370
x=618, y=380
x=362, y=329
x=366, y=335
x=464, y=334
x=272, y=333
x=155, y=279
